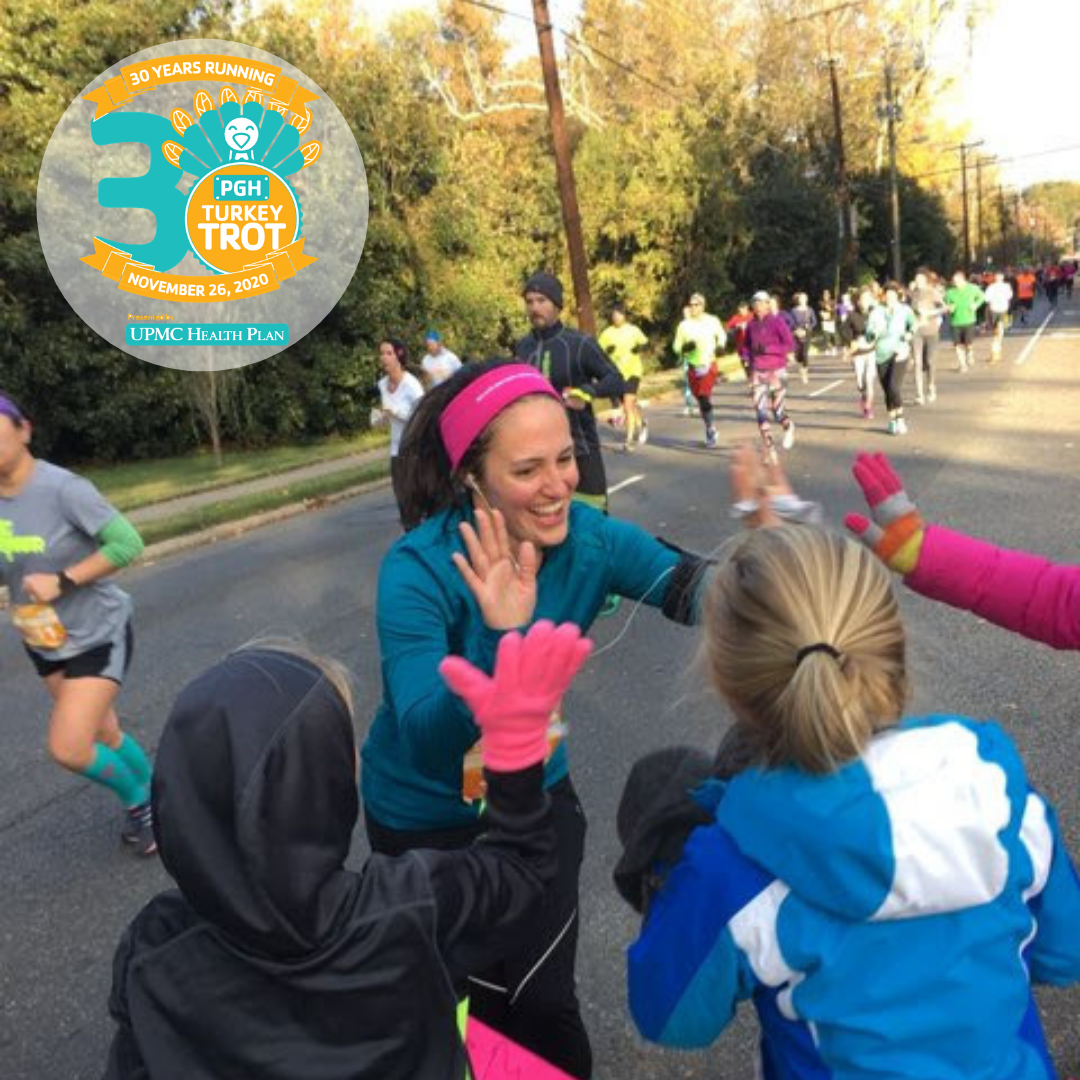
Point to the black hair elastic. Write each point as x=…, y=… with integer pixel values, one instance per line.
x=820, y=646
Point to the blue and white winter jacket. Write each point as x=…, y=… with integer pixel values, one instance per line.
x=888, y=920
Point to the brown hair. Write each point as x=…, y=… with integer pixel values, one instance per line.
x=788, y=588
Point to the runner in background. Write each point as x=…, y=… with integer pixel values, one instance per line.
x=624, y=343
x=766, y=352
x=891, y=327
x=803, y=323
x=59, y=541
x=860, y=352
x=827, y=320
x=999, y=296
x=963, y=301
x=579, y=370
x=1025, y=292
x=699, y=340
x=986, y=279
x=399, y=391
x=736, y=328
x=690, y=406
x=927, y=301
x=1052, y=283
x=439, y=363
x=1068, y=274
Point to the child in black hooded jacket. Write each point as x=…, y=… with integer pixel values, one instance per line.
x=273, y=961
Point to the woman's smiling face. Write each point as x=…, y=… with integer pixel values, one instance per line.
x=529, y=471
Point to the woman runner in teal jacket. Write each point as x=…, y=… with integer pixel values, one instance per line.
x=488, y=463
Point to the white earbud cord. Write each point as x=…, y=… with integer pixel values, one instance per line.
x=700, y=573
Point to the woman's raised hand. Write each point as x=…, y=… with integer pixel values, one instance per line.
x=503, y=583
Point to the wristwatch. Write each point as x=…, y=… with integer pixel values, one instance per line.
x=65, y=583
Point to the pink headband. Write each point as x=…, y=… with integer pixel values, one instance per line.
x=482, y=400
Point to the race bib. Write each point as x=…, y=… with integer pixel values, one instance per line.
x=39, y=625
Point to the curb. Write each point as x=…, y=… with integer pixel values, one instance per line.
x=231, y=529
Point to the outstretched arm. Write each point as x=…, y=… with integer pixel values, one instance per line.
x=1020, y=592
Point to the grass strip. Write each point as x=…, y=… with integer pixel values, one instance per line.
x=142, y=483
x=220, y=513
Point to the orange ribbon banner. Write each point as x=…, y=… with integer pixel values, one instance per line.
x=261, y=77
x=261, y=277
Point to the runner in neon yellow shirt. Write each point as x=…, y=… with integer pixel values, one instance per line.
x=624, y=343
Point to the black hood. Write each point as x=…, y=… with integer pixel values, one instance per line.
x=255, y=801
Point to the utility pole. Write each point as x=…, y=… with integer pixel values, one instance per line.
x=980, y=239
x=892, y=113
x=564, y=168
x=967, y=224
x=964, y=148
x=848, y=243
x=1006, y=253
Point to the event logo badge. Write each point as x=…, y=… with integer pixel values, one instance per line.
x=255, y=239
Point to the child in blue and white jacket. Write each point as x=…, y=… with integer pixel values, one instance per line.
x=886, y=890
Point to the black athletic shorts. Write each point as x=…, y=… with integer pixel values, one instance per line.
x=963, y=335
x=110, y=660
x=630, y=386
x=1027, y=302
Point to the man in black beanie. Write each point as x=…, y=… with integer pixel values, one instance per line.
x=579, y=369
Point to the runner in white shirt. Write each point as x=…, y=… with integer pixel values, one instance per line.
x=440, y=363
x=399, y=391
x=999, y=296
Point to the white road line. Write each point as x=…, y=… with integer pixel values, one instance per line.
x=826, y=389
x=1022, y=358
x=625, y=483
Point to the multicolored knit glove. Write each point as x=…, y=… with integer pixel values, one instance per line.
x=513, y=706
x=897, y=531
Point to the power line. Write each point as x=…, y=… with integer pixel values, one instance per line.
x=574, y=39
x=1001, y=161
x=501, y=11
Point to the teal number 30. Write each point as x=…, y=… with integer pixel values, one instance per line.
x=155, y=190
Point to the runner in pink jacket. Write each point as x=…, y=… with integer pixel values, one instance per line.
x=1020, y=592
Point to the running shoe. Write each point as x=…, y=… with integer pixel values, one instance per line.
x=919, y=399
x=789, y=437
x=901, y=426
x=893, y=429
x=138, y=829
x=931, y=395
x=643, y=433
x=710, y=438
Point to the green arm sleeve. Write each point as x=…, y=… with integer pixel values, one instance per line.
x=120, y=542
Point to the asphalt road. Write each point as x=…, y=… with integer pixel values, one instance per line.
x=998, y=455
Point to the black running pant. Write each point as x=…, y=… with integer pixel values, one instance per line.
x=531, y=996
x=891, y=374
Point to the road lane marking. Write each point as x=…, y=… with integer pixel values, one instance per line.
x=625, y=483
x=1022, y=358
x=826, y=389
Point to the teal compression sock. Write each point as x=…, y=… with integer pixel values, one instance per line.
x=132, y=755
x=109, y=769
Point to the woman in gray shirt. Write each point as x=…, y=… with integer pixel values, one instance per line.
x=59, y=540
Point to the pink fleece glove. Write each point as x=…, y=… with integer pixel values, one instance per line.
x=513, y=706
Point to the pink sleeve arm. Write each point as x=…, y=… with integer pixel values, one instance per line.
x=1020, y=592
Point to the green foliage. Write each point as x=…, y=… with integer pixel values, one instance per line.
x=701, y=169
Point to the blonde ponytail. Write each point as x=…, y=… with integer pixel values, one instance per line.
x=788, y=600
